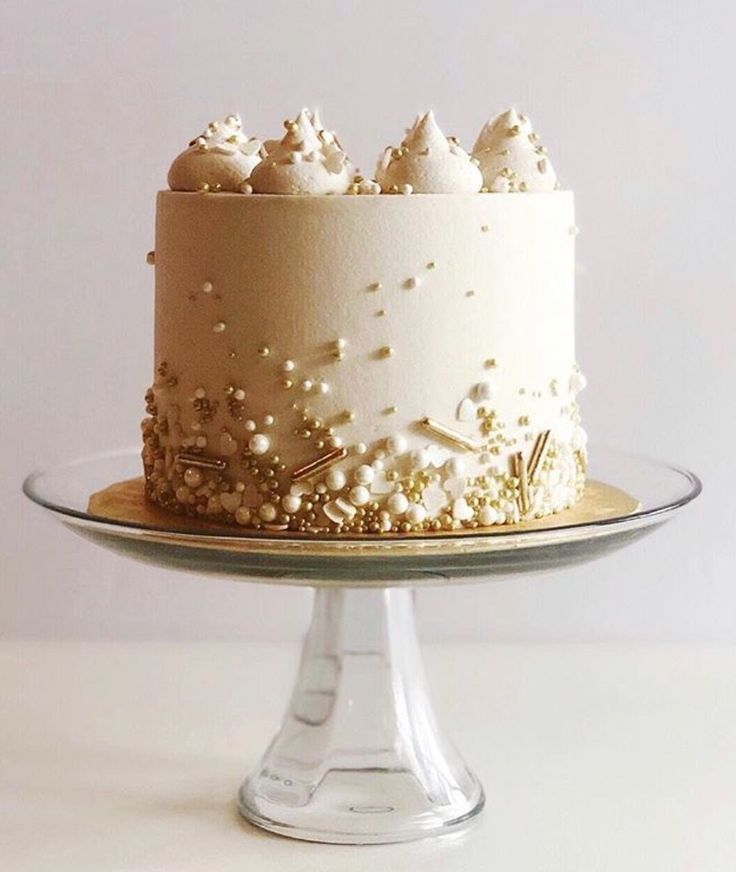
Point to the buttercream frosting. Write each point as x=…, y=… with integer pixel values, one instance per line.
x=428, y=162
x=305, y=161
x=511, y=157
x=220, y=159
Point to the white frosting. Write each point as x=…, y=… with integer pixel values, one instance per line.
x=511, y=156
x=427, y=162
x=306, y=161
x=220, y=159
x=297, y=284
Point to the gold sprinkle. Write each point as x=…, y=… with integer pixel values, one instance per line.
x=386, y=351
x=319, y=464
x=287, y=384
x=519, y=470
x=391, y=410
x=432, y=265
x=449, y=434
x=538, y=451
x=375, y=286
x=490, y=363
x=151, y=258
x=264, y=351
x=380, y=313
x=470, y=293
x=348, y=415
x=484, y=228
x=200, y=462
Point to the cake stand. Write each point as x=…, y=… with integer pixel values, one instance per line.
x=359, y=757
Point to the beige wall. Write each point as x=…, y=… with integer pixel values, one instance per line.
x=631, y=99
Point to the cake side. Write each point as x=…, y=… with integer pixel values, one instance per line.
x=364, y=364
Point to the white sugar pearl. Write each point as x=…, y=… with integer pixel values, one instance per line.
x=259, y=444
x=242, y=515
x=291, y=503
x=323, y=388
x=268, y=420
x=239, y=395
x=193, y=477
x=397, y=504
x=483, y=391
x=335, y=442
x=377, y=465
x=419, y=459
x=250, y=425
x=416, y=513
x=396, y=444
x=361, y=448
x=454, y=467
x=335, y=479
x=364, y=474
x=487, y=516
x=288, y=366
x=268, y=512
x=306, y=385
x=359, y=495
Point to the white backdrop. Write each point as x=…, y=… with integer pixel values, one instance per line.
x=631, y=99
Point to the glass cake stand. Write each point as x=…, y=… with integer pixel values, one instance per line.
x=359, y=757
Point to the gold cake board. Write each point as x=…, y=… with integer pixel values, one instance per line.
x=125, y=502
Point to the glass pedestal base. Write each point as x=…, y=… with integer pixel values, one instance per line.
x=359, y=758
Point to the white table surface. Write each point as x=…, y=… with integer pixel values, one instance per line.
x=127, y=756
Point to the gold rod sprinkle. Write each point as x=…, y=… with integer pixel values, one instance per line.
x=450, y=435
x=537, y=455
x=522, y=475
x=201, y=462
x=319, y=464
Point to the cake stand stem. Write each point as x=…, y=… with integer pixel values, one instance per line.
x=359, y=758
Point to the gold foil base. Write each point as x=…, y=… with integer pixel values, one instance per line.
x=125, y=501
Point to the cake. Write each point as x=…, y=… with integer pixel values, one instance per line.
x=340, y=355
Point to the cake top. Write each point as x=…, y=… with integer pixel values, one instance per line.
x=507, y=158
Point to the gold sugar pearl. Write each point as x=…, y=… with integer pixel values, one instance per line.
x=264, y=351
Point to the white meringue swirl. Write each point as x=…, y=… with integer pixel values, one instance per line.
x=427, y=162
x=221, y=159
x=511, y=156
x=306, y=161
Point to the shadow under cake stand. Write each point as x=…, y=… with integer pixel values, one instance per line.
x=359, y=757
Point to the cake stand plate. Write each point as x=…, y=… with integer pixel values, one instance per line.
x=359, y=757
